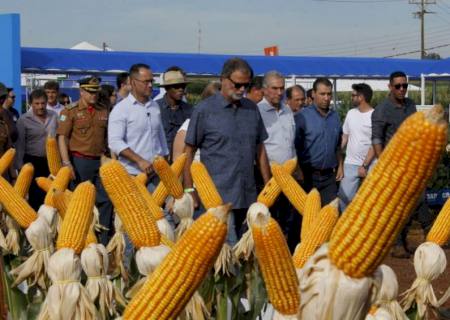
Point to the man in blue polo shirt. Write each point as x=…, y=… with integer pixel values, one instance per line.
x=229, y=131
x=317, y=142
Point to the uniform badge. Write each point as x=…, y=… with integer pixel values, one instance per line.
x=62, y=117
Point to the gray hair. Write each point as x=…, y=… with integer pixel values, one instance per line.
x=271, y=74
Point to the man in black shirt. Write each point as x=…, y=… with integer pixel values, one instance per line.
x=174, y=111
x=386, y=119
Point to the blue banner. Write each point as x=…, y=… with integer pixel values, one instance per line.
x=437, y=197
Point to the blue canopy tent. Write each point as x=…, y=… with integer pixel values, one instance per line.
x=48, y=60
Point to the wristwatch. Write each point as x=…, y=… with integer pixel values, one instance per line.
x=365, y=166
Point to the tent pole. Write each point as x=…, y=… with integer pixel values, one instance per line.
x=422, y=89
x=434, y=91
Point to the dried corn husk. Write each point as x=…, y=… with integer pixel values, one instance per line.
x=147, y=260
x=39, y=235
x=49, y=214
x=385, y=300
x=96, y=221
x=327, y=293
x=13, y=236
x=380, y=314
x=66, y=298
x=196, y=308
x=94, y=261
x=226, y=261
x=429, y=263
x=184, y=209
x=245, y=247
x=116, y=250
x=166, y=229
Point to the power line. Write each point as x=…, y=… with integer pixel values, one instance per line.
x=416, y=51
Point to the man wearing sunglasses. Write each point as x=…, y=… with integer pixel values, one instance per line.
x=174, y=111
x=386, y=119
x=230, y=133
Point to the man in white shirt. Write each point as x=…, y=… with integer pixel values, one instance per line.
x=357, y=135
x=135, y=130
x=51, y=89
x=279, y=122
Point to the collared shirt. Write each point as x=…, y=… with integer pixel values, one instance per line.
x=387, y=118
x=228, y=137
x=33, y=134
x=85, y=128
x=280, y=126
x=56, y=108
x=136, y=126
x=172, y=119
x=317, y=138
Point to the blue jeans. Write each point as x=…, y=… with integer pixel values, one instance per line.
x=349, y=185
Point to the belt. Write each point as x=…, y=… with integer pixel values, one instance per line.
x=83, y=156
x=321, y=172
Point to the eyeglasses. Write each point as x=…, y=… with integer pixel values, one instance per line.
x=66, y=102
x=12, y=97
x=401, y=85
x=238, y=85
x=147, y=82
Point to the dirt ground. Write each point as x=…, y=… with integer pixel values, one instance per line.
x=404, y=268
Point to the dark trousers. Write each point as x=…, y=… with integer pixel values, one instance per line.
x=87, y=169
x=325, y=183
x=422, y=215
x=36, y=195
x=288, y=219
x=239, y=221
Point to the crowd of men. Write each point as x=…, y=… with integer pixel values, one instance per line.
x=241, y=125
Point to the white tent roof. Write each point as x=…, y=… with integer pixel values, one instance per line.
x=84, y=45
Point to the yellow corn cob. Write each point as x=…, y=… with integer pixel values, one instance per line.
x=130, y=205
x=168, y=177
x=6, y=160
x=156, y=211
x=53, y=157
x=272, y=190
x=319, y=233
x=160, y=194
x=15, y=205
x=276, y=264
x=292, y=190
x=60, y=183
x=440, y=232
x=167, y=291
x=24, y=179
x=78, y=218
x=204, y=184
x=167, y=242
x=61, y=201
x=141, y=178
x=44, y=183
x=312, y=209
x=370, y=224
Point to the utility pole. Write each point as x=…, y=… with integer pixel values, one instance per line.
x=199, y=37
x=421, y=15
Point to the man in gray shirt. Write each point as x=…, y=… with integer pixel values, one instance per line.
x=386, y=119
x=279, y=122
x=34, y=126
x=230, y=133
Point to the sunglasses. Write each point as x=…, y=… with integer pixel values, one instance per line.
x=238, y=85
x=177, y=86
x=401, y=85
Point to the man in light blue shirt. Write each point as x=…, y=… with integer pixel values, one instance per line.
x=280, y=125
x=135, y=130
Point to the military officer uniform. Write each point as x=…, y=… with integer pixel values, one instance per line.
x=85, y=127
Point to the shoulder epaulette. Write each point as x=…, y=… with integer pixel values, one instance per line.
x=72, y=105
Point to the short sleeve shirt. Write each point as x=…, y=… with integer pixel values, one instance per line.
x=228, y=137
x=85, y=127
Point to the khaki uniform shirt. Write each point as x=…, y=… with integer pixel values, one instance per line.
x=86, y=130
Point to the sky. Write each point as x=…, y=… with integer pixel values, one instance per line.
x=371, y=28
